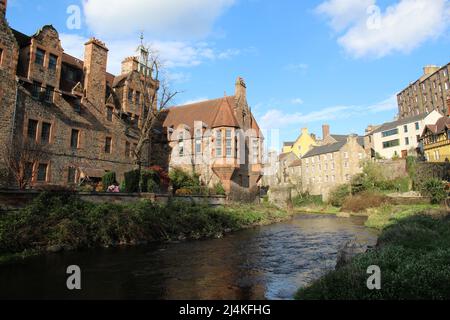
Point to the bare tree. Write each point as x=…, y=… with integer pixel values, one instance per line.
x=20, y=157
x=157, y=96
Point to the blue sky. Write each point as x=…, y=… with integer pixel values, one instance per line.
x=305, y=63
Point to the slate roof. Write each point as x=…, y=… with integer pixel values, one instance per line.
x=333, y=147
x=394, y=124
x=288, y=144
x=440, y=126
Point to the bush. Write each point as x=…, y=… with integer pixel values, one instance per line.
x=183, y=180
x=219, y=189
x=149, y=181
x=305, y=199
x=132, y=181
x=108, y=180
x=339, y=194
x=364, y=201
x=435, y=189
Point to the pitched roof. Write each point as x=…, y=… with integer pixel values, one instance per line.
x=22, y=39
x=440, y=126
x=394, y=124
x=333, y=147
x=224, y=116
x=68, y=59
x=288, y=144
x=204, y=111
x=295, y=163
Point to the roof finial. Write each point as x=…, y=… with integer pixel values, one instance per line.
x=142, y=38
x=225, y=93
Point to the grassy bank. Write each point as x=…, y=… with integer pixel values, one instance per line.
x=63, y=221
x=413, y=255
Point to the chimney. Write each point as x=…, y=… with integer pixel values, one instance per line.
x=3, y=5
x=430, y=69
x=304, y=131
x=352, y=138
x=130, y=64
x=241, y=89
x=325, y=131
x=95, y=61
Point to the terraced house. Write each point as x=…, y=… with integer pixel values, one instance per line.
x=85, y=120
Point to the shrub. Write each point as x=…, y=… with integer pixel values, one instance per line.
x=364, y=201
x=184, y=192
x=132, y=180
x=219, y=189
x=108, y=180
x=435, y=189
x=181, y=179
x=339, y=194
x=305, y=199
x=149, y=181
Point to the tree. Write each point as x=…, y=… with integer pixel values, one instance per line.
x=157, y=96
x=20, y=158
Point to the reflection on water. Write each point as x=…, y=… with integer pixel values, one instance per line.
x=264, y=263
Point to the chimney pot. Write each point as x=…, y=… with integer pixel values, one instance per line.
x=325, y=131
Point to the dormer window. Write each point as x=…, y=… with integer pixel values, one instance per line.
x=39, y=59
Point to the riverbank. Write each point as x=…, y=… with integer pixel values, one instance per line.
x=413, y=255
x=53, y=223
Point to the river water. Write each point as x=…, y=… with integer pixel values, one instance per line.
x=269, y=262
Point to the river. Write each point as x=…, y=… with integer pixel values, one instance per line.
x=269, y=262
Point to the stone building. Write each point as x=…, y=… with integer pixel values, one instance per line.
x=436, y=139
x=332, y=164
x=426, y=94
x=85, y=118
x=218, y=139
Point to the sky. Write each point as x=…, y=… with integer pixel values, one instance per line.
x=305, y=63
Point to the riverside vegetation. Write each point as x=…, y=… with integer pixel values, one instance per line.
x=62, y=221
x=413, y=248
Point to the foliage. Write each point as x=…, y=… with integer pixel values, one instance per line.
x=63, y=219
x=339, y=194
x=413, y=256
x=435, y=189
x=149, y=181
x=305, y=199
x=108, y=180
x=364, y=201
x=219, y=189
x=183, y=180
x=132, y=180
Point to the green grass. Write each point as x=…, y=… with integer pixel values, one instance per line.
x=384, y=216
x=318, y=209
x=414, y=257
x=66, y=221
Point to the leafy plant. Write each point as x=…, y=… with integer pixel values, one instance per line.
x=108, y=180
x=435, y=189
x=339, y=194
x=132, y=180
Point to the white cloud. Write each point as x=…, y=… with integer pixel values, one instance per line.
x=173, y=54
x=276, y=119
x=173, y=18
x=297, y=101
x=343, y=13
x=402, y=27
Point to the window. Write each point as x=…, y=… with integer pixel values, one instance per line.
x=136, y=121
x=228, y=143
x=407, y=141
x=49, y=94
x=417, y=126
x=45, y=132
x=130, y=95
x=390, y=144
x=181, y=144
x=1, y=56
x=77, y=105
x=446, y=86
x=218, y=143
x=127, y=149
x=52, y=62
x=346, y=155
x=109, y=113
x=39, y=60
x=390, y=133
x=108, y=143
x=332, y=166
x=405, y=128
x=418, y=138
x=71, y=176
x=360, y=156
x=74, y=137
x=346, y=164
x=32, y=129
x=36, y=89
x=42, y=172
x=198, y=141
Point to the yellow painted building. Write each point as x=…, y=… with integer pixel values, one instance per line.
x=302, y=145
x=436, y=141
